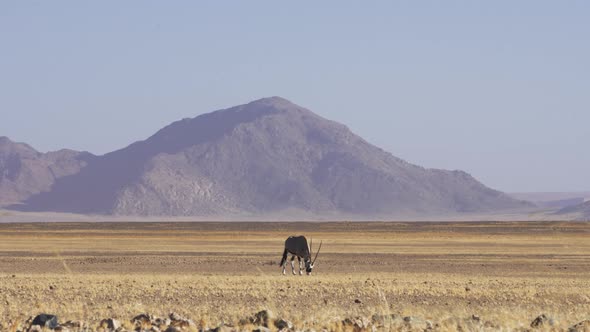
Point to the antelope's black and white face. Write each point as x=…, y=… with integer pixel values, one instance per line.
x=308, y=267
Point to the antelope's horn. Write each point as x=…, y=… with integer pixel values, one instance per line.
x=316, y=255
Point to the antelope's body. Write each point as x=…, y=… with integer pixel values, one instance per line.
x=297, y=247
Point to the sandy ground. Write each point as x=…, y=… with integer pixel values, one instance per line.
x=505, y=273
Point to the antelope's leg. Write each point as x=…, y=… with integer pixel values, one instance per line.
x=293, y=264
x=284, y=260
x=300, y=266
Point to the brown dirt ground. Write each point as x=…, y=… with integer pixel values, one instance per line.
x=507, y=272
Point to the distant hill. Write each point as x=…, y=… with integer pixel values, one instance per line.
x=268, y=156
x=553, y=200
x=25, y=171
x=581, y=211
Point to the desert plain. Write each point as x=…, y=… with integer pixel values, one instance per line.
x=389, y=276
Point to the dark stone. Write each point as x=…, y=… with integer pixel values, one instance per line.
x=45, y=320
x=174, y=316
x=357, y=323
x=223, y=328
x=142, y=319
x=110, y=324
x=540, y=321
x=283, y=324
x=263, y=317
x=77, y=324
x=261, y=329
x=581, y=326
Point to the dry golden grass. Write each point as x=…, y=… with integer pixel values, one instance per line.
x=215, y=273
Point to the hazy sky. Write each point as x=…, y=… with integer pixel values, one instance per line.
x=500, y=89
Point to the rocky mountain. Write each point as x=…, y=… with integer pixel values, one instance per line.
x=25, y=172
x=264, y=157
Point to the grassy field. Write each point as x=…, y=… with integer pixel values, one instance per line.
x=447, y=276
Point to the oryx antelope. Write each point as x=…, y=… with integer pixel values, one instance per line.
x=297, y=246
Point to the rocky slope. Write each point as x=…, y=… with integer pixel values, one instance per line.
x=25, y=171
x=263, y=157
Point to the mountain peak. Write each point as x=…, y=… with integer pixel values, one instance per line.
x=16, y=147
x=273, y=100
x=25, y=172
x=270, y=105
x=266, y=156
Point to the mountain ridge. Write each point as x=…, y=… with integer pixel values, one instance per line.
x=262, y=157
x=25, y=171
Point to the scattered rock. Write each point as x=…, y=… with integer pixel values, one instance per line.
x=358, y=301
x=583, y=326
x=35, y=328
x=142, y=319
x=46, y=321
x=29, y=321
x=261, y=329
x=179, y=321
x=357, y=323
x=223, y=328
x=110, y=324
x=283, y=324
x=542, y=320
x=264, y=321
x=263, y=318
x=174, y=316
x=471, y=323
x=74, y=324
x=244, y=321
x=161, y=322
x=182, y=324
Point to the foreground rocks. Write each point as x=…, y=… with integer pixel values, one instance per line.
x=266, y=321
x=45, y=321
x=110, y=324
x=542, y=321
x=583, y=326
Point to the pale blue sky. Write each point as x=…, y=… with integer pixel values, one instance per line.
x=498, y=88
